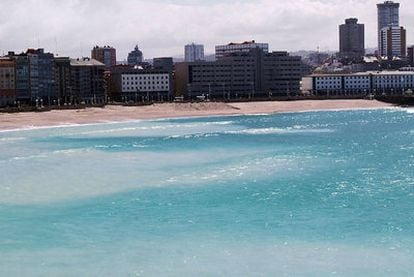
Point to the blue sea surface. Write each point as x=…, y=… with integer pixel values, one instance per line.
x=299, y=194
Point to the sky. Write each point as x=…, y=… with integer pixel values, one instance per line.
x=163, y=27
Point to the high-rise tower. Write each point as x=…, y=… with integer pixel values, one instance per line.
x=388, y=16
x=351, y=40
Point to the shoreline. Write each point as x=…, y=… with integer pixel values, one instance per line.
x=115, y=114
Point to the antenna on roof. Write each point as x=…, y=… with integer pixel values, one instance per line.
x=80, y=49
x=56, y=47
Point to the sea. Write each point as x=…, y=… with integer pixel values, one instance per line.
x=323, y=193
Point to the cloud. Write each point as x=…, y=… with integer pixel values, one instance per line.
x=163, y=27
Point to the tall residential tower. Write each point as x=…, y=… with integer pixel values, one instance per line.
x=388, y=16
x=351, y=40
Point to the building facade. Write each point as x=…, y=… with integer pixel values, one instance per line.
x=393, y=42
x=362, y=83
x=23, y=92
x=388, y=16
x=245, y=47
x=351, y=40
x=63, y=85
x=248, y=75
x=410, y=56
x=163, y=63
x=194, y=52
x=105, y=55
x=135, y=57
x=7, y=82
x=42, y=75
x=87, y=81
x=142, y=85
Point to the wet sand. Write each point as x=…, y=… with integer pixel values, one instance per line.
x=111, y=113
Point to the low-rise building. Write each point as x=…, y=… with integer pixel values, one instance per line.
x=362, y=83
x=141, y=85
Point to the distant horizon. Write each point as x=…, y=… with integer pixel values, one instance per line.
x=163, y=27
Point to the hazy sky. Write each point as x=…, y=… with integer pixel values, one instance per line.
x=163, y=27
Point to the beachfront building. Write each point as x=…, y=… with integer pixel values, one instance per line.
x=35, y=80
x=135, y=57
x=87, y=81
x=361, y=83
x=141, y=85
x=244, y=47
x=63, y=87
x=7, y=81
x=42, y=79
x=351, y=40
x=22, y=62
x=105, y=55
x=253, y=74
x=194, y=52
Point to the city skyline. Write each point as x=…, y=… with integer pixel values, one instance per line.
x=74, y=27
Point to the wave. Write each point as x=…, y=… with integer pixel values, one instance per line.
x=297, y=129
x=159, y=127
x=11, y=139
x=273, y=130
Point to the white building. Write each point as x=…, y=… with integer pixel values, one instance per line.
x=145, y=82
x=363, y=82
x=357, y=82
x=224, y=50
x=393, y=42
x=194, y=52
x=398, y=80
x=328, y=82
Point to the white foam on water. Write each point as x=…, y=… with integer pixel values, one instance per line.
x=155, y=129
x=11, y=139
x=410, y=110
x=273, y=130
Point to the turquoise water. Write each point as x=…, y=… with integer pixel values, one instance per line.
x=303, y=194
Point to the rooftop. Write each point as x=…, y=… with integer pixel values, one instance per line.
x=85, y=62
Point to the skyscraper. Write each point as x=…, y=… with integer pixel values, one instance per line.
x=351, y=40
x=194, y=52
x=388, y=16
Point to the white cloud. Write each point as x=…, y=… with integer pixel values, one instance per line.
x=162, y=27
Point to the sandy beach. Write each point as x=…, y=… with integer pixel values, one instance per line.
x=111, y=113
